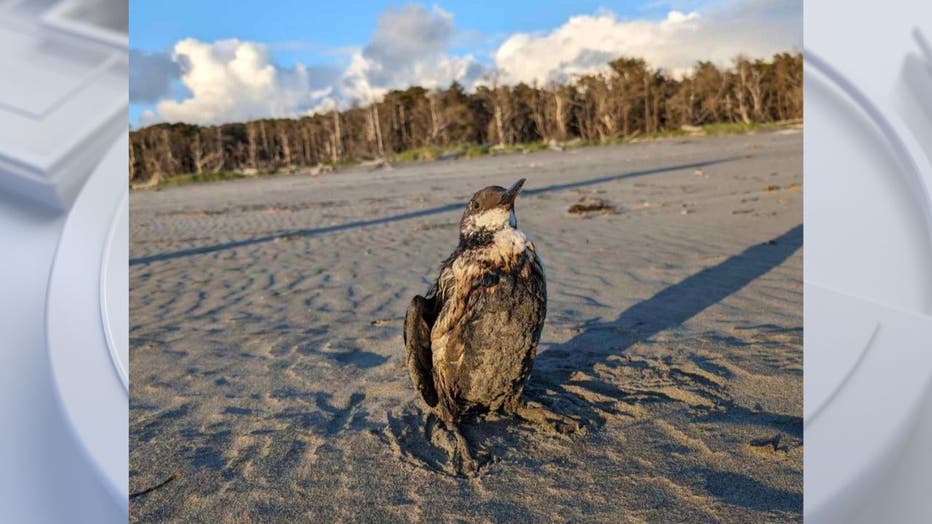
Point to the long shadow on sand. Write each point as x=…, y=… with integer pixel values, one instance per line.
x=603, y=342
x=311, y=232
x=555, y=380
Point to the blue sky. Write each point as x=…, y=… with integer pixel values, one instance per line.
x=157, y=25
x=313, y=46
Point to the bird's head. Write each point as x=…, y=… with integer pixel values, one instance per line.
x=489, y=210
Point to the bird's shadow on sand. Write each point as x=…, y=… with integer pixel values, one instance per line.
x=562, y=378
x=602, y=343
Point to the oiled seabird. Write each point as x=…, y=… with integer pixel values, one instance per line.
x=471, y=341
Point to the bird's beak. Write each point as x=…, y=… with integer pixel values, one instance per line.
x=509, y=197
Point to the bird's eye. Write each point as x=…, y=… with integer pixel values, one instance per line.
x=474, y=205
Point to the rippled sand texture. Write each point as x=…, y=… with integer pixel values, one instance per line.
x=267, y=362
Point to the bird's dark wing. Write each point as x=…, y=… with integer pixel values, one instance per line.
x=419, y=320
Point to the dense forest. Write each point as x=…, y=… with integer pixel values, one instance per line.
x=630, y=99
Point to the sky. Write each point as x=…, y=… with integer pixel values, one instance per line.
x=212, y=61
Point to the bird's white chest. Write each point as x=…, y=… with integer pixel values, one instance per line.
x=509, y=243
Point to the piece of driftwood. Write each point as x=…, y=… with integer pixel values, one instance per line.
x=174, y=476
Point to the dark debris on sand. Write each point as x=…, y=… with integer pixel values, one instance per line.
x=586, y=206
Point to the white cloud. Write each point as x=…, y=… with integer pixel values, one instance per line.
x=409, y=47
x=675, y=43
x=232, y=80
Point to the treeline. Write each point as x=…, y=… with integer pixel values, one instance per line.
x=630, y=99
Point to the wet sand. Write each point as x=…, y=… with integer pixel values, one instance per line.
x=267, y=359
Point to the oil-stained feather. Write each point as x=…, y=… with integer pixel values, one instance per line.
x=419, y=320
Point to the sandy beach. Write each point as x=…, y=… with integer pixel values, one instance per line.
x=267, y=359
